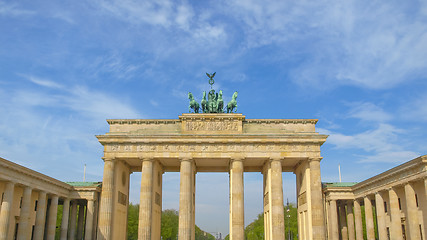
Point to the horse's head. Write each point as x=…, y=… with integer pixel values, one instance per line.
x=220, y=93
x=190, y=95
x=204, y=95
x=235, y=95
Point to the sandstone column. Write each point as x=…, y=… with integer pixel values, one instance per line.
x=23, y=228
x=412, y=210
x=333, y=220
x=379, y=203
x=276, y=194
x=40, y=216
x=343, y=222
x=318, y=220
x=107, y=201
x=186, y=200
x=89, y=219
x=146, y=200
x=73, y=219
x=358, y=220
x=395, y=224
x=370, y=231
x=65, y=216
x=51, y=221
x=350, y=220
x=425, y=213
x=237, y=226
x=80, y=221
x=6, y=208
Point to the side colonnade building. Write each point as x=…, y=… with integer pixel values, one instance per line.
x=391, y=205
x=30, y=201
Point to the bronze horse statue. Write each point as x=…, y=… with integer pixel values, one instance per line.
x=204, y=103
x=193, y=104
x=232, y=105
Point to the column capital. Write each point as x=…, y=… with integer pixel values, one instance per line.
x=315, y=159
x=107, y=159
x=183, y=159
x=271, y=159
x=150, y=159
x=237, y=158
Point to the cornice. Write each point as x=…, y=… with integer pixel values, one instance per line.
x=211, y=117
x=195, y=139
x=405, y=167
x=33, y=174
x=142, y=121
x=285, y=121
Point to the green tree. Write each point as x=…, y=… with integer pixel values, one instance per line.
x=255, y=230
x=133, y=215
x=169, y=226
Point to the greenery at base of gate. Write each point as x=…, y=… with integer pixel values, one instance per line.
x=169, y=226
x=255, y=230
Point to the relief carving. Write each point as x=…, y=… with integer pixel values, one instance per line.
x=211, y=126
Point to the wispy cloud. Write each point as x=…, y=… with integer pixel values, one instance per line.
x=12, y=9
x=379, y=144
x=367, y=111
x=376, y=45
x=42, y=82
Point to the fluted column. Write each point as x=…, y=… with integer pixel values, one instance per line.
x=146, y=200
x=107, y=201
x=73, y=219
x=23, y=229
x=80, y=221
x=6, y=208
x=412, y=210
x=425, y=207
x=333, y=220
x=370, y=231
x=185, y=200
x=237, y=225
x=317, y=217
x=51, y=221
x=343, y=222
x=40, y=216
x=277, y=207
x=89, y=219
x=65, y=218
x=358, y=220
x=350, y=220
x=395, y=224
x=379, y=203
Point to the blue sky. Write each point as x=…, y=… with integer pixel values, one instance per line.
x=357, y=66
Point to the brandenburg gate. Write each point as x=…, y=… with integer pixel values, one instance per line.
x=211, y=142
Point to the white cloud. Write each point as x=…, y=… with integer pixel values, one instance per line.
x=368, y=112
x=42, y=82
x=379, y=145
x=8, y=9
x=415, y=109
x=374, y=45
x=53, y=131
x=389, y=157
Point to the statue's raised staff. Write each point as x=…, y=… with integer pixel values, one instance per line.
x=232, y=105
x=193, y=104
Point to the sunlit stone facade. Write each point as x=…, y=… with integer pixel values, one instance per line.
x=391, y=205
x=211, y=143
x=30, y=200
